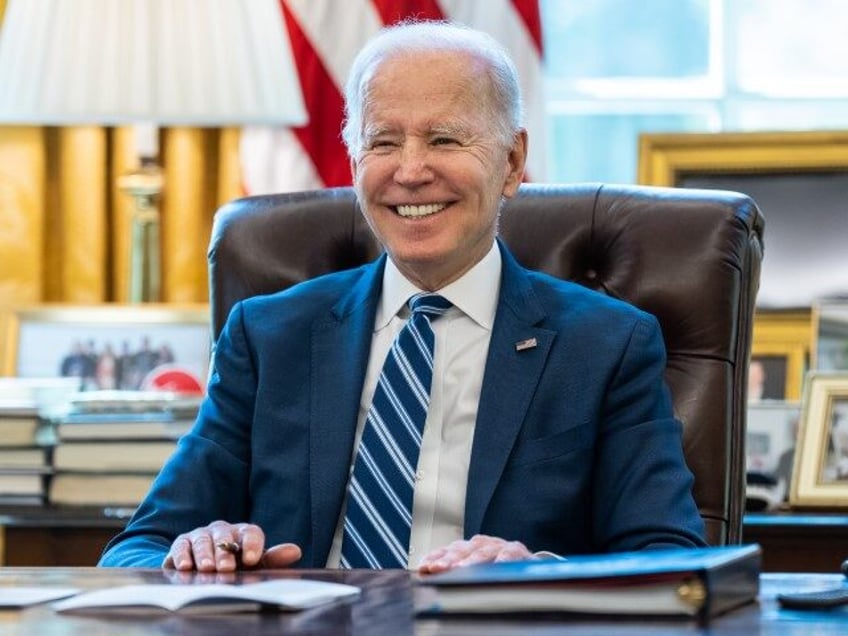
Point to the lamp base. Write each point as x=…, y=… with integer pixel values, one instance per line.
x=144, y=186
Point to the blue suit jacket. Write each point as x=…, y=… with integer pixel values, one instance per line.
x=575, y=448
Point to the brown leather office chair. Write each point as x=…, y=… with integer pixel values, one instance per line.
x=690, y=257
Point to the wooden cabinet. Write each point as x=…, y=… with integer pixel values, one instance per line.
x=794, y=542
x=56, y=537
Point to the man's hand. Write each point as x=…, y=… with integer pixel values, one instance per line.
x=479, y=549
x=226, y=547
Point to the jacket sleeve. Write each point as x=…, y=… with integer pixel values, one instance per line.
x=642, y=486
x=207, y=476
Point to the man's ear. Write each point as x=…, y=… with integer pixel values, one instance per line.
x=352, y=170
x=516, y=160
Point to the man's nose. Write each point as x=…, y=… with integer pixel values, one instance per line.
x=414, y=165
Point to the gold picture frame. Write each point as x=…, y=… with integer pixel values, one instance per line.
x=665, y=159
x=820, y=471
x=111, y=346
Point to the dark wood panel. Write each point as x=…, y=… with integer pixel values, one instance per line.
x=799, y=542
x=57, y=536
x=54, y=546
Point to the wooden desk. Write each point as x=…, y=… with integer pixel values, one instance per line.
x=385, y=607
x=799, y=542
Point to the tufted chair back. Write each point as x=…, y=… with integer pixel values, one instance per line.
x=690, y=257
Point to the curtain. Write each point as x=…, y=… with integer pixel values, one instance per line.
x=65, y=226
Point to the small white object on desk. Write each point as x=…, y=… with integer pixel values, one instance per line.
x=25, y=596
x=215, y=598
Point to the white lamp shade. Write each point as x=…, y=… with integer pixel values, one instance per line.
x=172, y=62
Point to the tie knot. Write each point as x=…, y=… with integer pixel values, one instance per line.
x=430, y=304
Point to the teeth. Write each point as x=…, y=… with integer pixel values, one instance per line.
x=420, y=210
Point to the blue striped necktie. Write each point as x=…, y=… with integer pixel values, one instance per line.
x=379, y=502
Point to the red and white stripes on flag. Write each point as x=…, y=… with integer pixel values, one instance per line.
x=326, y=35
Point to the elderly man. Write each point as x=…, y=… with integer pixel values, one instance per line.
x=441, y=406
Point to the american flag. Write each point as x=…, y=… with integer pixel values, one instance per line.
x=326, y=35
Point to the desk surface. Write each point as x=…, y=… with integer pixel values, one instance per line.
x=385, y=607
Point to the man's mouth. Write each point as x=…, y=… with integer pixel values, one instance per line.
x=412, y=211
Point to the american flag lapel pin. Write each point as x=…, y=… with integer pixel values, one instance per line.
x=523, y=345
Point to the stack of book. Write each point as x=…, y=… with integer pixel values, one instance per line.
x=109, y=446
x=24, y=454
x=24, y=461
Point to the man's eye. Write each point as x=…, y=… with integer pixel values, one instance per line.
x=382, y=144
x=444, y=141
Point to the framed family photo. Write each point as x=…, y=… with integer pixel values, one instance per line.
x=820, y=473
x=771, y=437
x=112, y=347
x=770, y=440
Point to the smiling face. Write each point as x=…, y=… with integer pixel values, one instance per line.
x=432, y=170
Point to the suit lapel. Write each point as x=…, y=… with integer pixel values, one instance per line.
x=517, y=354
x=340, y=349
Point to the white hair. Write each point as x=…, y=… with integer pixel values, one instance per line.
x=429, y=36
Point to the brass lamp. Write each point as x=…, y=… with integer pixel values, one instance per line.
x=151, y=63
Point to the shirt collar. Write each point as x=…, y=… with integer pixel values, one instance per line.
x=475, y=293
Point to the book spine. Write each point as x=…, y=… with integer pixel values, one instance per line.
x=731, y=585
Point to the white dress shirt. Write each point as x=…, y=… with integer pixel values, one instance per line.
x=462, y=345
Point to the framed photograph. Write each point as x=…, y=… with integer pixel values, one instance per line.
x=767, y=378
x=770, y=441
x=781, y=343
x=113, y=347
x=771, y=436
x=820, y=471
x=830, y=335
x=799, y=181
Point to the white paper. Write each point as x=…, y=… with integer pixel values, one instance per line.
x=290, y=594
x=24, y=596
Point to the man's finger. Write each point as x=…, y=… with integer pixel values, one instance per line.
x=252, y=541
x=203, y=551
x=478, y=549
x=514, y=551
x=281, y=556
x=179, y=556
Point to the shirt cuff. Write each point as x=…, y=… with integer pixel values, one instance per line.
x=545, y=554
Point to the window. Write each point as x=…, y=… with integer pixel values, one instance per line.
x=616, y=68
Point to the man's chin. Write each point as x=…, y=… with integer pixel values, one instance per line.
x=417, y=260
x=419, y=263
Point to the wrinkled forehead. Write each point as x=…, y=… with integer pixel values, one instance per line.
x=424, y=73
x=454, y=63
